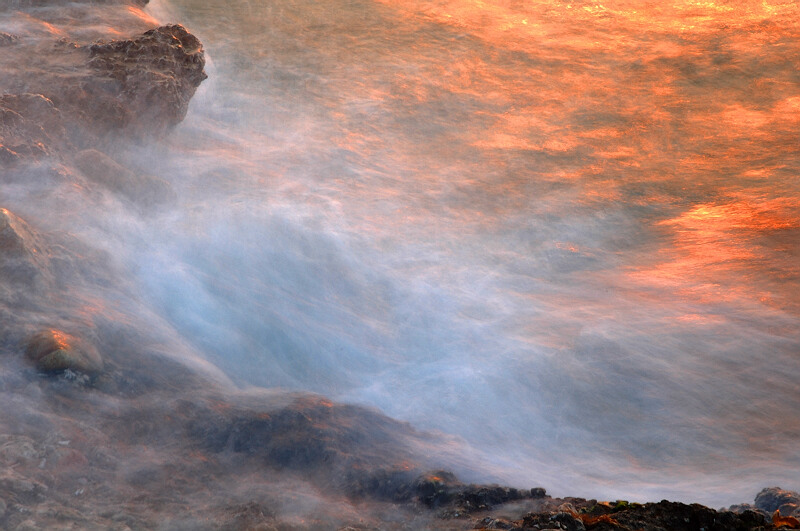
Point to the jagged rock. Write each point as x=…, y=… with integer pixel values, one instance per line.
x=143, y=190
x=30, y=127
x=772, y=499
x=144, y=84
x=56, y=351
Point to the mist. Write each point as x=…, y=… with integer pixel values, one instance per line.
x=560, y=238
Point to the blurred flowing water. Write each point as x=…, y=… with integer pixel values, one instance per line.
x=567, y=233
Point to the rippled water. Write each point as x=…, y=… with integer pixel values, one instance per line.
x=567, y=232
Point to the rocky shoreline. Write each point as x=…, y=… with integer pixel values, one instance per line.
x=106, y=425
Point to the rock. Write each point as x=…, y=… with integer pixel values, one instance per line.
x=27, y=525
x=31, y=127
x=18, y=449
x=538, y=492
x=565, y=521
x=143, y=190
x=145, y=83
x=7, y=39
x=56, y=351
x=3, y=508
x=21, y=489
x=22, y=257
x=773, y=498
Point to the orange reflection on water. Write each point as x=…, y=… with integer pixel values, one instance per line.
x=716, y=253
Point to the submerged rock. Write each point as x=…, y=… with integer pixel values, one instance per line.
x=23, y=263
x=143, y=190
x=56, y=351
x=7, y=38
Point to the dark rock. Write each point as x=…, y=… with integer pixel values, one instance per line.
x=20, y=489
x=310, y=435
x=396, y=484
x=562, y=520
x=31, y=127
x=538, y=492
x=437, y=489
x=7, y=39
x=54, y=351
x=144, y=84
x=481, y=497
x=773, y=498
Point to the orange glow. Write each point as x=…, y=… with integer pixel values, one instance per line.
x=713, y=242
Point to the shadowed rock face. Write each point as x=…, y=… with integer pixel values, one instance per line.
x=155, y=74
x=131, y=88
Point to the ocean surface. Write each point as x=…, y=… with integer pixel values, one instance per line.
x=566, y=234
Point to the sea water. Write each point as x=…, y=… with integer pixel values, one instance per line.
x=564, y=233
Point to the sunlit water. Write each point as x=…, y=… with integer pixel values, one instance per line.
x=566, y=232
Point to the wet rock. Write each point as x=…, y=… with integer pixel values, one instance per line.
x=20, y=489
x=248, y=516
x=31, y=127
x=55, y=351
x=27, y=525
x=564, y=521
x=143, y=190
x=22, y=256
x=396, y=484
x=7, y=39
x=772, y=499
x=310, y=435
x=437, y=489
x=18, y=449
x=145, y=83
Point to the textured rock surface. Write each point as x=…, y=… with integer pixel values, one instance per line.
x=57, y=351
x=138, y=87
x=154, y=77
x=30, y=127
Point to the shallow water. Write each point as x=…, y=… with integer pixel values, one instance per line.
x=565, y=232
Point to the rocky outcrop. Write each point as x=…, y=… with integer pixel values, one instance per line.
x=145, y=83
x=131, y=88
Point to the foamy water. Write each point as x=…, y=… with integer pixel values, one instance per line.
x=564, y=232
